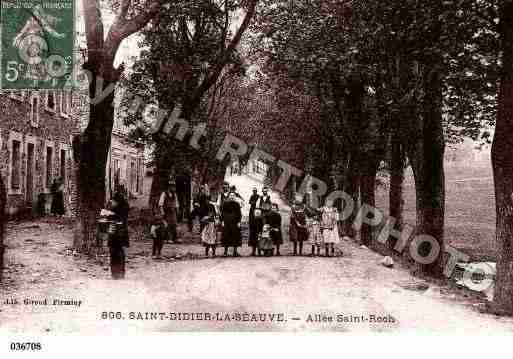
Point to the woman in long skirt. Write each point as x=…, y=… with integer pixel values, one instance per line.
x=231, y=216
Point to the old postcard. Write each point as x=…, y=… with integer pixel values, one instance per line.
x=256, y=166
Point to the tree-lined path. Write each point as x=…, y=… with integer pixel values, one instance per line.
x=354, y=284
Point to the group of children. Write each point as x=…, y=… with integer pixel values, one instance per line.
x=323, y=231
x=210, y=233
x=319, y=229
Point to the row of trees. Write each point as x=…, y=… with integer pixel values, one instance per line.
x=192, y=63
x=393, y=82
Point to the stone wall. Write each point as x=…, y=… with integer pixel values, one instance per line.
x=54, y=129
x=40, y=129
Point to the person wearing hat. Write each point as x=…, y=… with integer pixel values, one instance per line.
x=233, y=190
x=224, y=194
x=264, y=202
x=263, y=208
x=118, y=235
x=298, y=232
x=168, y=206
x=231, y=216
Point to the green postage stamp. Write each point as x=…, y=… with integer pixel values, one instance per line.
x=37, y=44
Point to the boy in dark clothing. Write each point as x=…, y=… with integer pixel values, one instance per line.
x=273, y=218
x=159, y=234
x=118, y=235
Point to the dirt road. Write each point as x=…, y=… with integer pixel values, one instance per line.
x=352, y=292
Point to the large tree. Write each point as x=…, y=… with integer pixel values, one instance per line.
x=502, y=162
x=408, y=74
x=91, y=147
x=194, y=51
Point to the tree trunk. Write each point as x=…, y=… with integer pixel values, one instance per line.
x=93, y=152
x=368, y=191
x=3, y=201
x=352, y=188
x=427, y=158
x=396, y=201
x=502, y=163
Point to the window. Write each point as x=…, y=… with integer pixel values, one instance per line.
x=34, y=110
x=29, y=174
x=50, y=101
x=17, y=95
x=49, y=161
x=133, y=176
x=62, y=172
x=15, y=165
x=65, y=103
x=139, y=179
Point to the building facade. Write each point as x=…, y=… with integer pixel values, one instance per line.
x=36, y=129
x=36, y=132
x=125, y=164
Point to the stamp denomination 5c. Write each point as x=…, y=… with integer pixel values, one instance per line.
x=37, y=44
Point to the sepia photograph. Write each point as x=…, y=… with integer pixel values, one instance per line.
x=297, y=166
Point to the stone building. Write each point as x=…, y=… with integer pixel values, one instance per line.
x=125, y=164
x=36, y=129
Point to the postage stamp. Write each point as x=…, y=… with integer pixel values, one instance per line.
x=37, y=44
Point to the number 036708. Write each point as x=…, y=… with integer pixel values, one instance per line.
x=26, y=346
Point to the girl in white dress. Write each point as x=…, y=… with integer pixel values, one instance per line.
x=329, y=228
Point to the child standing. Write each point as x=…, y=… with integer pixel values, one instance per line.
x=298, y=230
x=265, y=243
x=274, y=220
x=314, y=233
x=159, y=233
x=329, y=228
x=209, y=232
